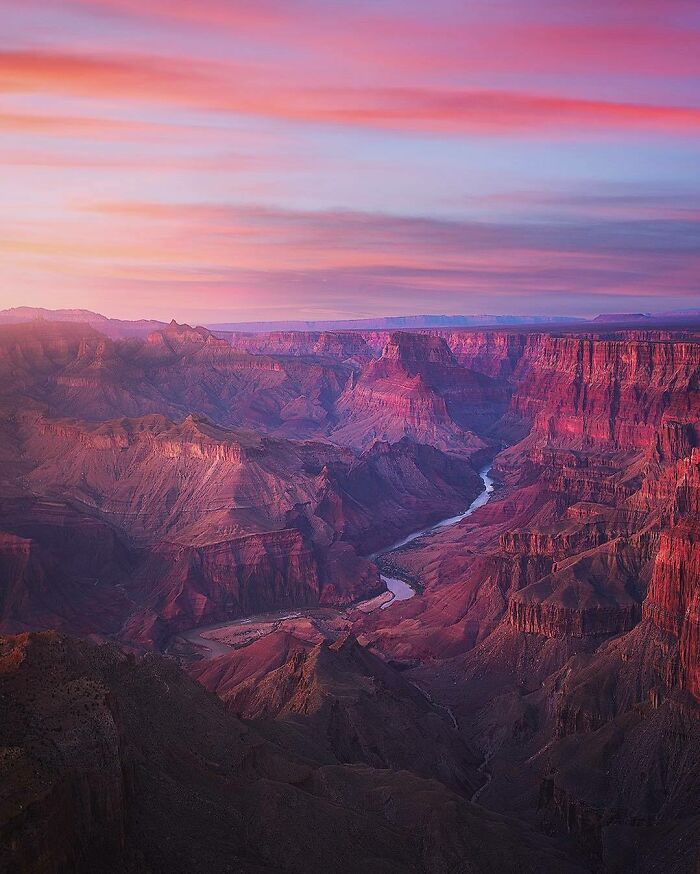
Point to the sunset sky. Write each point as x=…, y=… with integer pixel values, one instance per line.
x=217, y=160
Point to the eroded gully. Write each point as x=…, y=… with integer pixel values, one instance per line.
x=400, y=590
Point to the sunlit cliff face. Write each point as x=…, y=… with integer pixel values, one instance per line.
x=271, y=160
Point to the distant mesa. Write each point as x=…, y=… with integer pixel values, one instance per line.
x=679, y=316
x=393, y=323
x=622, y=317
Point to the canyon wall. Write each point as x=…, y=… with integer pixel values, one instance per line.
x=163, y=482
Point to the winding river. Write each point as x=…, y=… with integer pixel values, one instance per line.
x=400, y=589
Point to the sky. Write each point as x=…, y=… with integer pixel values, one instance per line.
x=232, y=160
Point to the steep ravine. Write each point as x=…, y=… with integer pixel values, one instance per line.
x=400, y=590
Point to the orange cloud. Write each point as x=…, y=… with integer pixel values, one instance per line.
x=92, y=127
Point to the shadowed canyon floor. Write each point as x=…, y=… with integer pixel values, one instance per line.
x=298, y=651
x=217, y=639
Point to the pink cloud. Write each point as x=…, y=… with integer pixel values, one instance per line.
x=231, y=247
x=78, y=93
x=241, y=89
x=461, y=38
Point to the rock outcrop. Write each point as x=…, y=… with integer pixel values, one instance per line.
x=113, y=764
x=349, y=704
x=604, y=394
x=418, y=389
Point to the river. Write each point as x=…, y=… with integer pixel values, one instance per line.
x=400, y=589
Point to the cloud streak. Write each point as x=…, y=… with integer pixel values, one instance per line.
x=233, y=254
x=438, y=156
x=242, y=89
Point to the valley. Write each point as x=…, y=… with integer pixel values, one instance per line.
x=211, y=643
x=265, y=537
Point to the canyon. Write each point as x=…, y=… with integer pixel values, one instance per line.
x=203, y=667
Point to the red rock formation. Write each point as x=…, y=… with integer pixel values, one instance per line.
x=73, y=371
x=595, y=592
x=184, y=586
x=611, y=785
x=569, y=605
x=673, y=601
x=339, y=345
x=560, y=623
x=60, y=569
x=250, y=664
x=418, y=389
x=493, y=353
x=584, y=392
x=407, y=485
x=221, y=523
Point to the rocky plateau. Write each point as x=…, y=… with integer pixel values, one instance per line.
x=203, y=666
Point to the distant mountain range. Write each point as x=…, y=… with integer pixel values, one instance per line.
x=115, y=328
x=119, y=328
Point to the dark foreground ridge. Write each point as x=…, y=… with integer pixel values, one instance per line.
x=116, y=764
